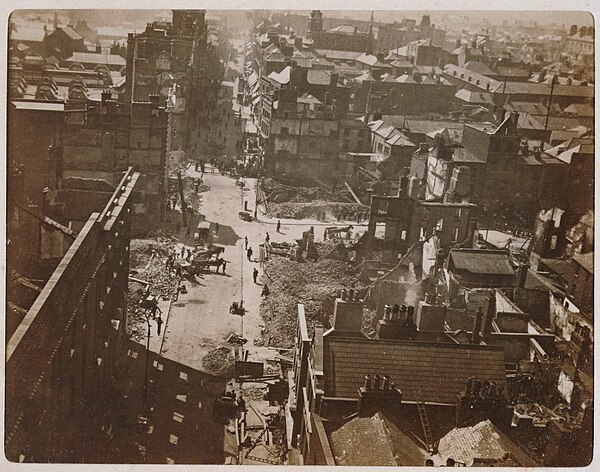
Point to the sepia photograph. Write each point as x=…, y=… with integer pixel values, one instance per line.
x=299, y=237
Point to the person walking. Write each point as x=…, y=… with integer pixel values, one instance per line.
x=255, y=274
x=279, y=226
x=245, y=243
x=249, y=254
x=267, y=238
x=217, y=228
x=224, y=265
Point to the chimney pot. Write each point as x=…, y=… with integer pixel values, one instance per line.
x=396, y=310
x=385, y=384
x=376, y=382
x=368, y=381
x=387, y=313
x=403, y=310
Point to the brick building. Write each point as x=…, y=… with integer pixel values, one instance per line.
x=60, y=360
x=336, y=370
x=177, y=54
x=32, y=127
x=102, y=139
x=341, y=38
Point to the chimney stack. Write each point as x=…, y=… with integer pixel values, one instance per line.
x=348, y=312
x=378, y=394
x=477, y=322
x=522, y=275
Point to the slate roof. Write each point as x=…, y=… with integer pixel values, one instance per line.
x=468, y=96
x=482, y=262
x=335, y=54
x=27, y=34
x=438, y=370
x=374, y=441
x=474, y=444
x=586, y=261
x=96, y=58
x=72, y=33
x=580, y=109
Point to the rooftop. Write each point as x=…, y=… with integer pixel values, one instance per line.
x=436, y=371
x=97, y=58
x=374, y=441
x=475, y=445
x=482, y=261
x=586, y=261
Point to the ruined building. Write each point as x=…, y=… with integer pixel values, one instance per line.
x=101, y=140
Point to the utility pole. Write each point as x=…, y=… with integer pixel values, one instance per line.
x=147, y=358
x=550, y=102
x=183, y=204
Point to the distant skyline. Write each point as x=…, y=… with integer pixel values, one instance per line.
x=542, y=18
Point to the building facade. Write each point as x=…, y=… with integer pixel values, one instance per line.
x=60, y=361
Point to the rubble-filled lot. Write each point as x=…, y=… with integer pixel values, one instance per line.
x=147, y=263
x=310, y=202
x=315, y=284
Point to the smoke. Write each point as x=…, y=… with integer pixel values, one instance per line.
x=411, y=297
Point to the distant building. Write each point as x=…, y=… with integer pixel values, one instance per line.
x=63, y=42
x=341, y=38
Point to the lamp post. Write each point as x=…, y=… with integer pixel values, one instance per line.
x=147, y=356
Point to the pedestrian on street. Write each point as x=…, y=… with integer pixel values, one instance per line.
x=267, y=238
x=245, y=243
x=255, y=274
x=224, y=266
x=279, y=226
x=159, y=323
x=217, y=228
x=249, y=254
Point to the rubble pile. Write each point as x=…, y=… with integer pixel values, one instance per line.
x=219, y=362
x=321, y=210
x=176, y=163
x=310, y=202
x=277, y=192
x=314, y=284
x=147, y=263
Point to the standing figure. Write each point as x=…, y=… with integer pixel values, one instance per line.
x=249, y=254
x=279, y=226
x=245, y=243
x=255, y=274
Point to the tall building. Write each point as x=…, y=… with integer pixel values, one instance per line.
x=176, y=55
x=61, y=358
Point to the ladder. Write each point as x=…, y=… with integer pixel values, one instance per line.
x=425, y=425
